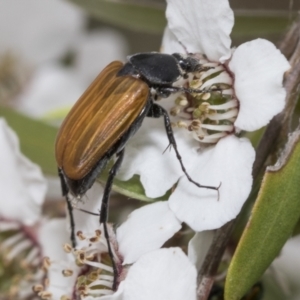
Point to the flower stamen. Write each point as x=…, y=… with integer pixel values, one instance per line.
x=94, y=275
x=209, y=115
x=21, y=247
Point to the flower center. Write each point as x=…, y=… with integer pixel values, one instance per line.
x=89, y=272
x=96, y=276
x=209, y=115
x=21, y=255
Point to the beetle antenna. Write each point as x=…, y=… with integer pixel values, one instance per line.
x=184, y=47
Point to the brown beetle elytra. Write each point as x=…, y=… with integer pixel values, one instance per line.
x=96, y=122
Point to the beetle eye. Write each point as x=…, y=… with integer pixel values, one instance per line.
x=183, y=63
x=186, y=66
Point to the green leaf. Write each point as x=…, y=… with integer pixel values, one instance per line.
x=297, y=229
x=138, y=16
x=131, y=188
x=271, y=223
x=37, y=139
x=259, y=24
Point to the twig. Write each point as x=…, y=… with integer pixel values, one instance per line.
x=212, y=260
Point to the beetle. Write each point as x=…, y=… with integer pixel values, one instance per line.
x=109, y=112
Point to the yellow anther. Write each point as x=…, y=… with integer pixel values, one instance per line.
x=195, y=84
x=45, y=295
x=182, y=124
x=67, y=248
x=80, y=235
x=93, y=276
x=65, y=297
x=195, y=125
x=175, y=111
x=67, y=272
x=37, y=288
x=94, y=239
x=197, y=113
x=46, y=263
x=206, y=96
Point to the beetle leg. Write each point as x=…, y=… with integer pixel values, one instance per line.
x=64, y=187
x=104, y=210
x=157, y=111
x=110, y=253
x=112, y=173
x=72, y=223
x=65, y=193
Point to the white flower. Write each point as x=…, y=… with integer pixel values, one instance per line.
x=198, y=247
x=161, y=274
x=22, y=184
x=52, y=236
x=144, y=271
x=26, y=237
x=23, y=190
x=250, y=78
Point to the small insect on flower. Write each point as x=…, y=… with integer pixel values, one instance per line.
x=109, y=112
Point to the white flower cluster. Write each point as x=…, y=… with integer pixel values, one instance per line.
x=206, y=132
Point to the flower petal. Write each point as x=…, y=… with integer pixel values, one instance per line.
x=170, y=43
x=145, y=155
x=228, y=163
x=23, y=187
x=202, y=26
x=84, y=221
x=146, y=229
x=258, y=68
x=52, y=235
x=199, y=246
x=160, y=275
x=52, y=88
x=58, y=284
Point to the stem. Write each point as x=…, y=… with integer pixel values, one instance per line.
x=277, y=130
x=212, y=260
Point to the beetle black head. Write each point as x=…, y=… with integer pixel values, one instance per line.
x=187, y=64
